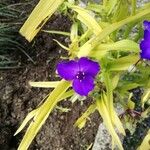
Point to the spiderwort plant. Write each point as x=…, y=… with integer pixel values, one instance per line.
x=96, y=40
x=82, y=74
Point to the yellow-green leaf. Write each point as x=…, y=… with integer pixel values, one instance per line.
x=80, y=123
x=146, y=142
x=145, y=96
x=48, y=84
x=107, y=121
x=113, y=115
x=90, y=146
x=123, y=63
x=42, y=114
x=26, y=120
x=74, y=32
x=115, y=81
x=61, y=45
x=67, y=94
x=123, y=45
x=109, y=103
x=57, y=32
x=95, y=41
x=130, y=104
x=87, y=19
x=96, y=8
x=39, y=16
x=33, y=113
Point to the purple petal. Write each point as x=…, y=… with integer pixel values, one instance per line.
x=83, y=87
x=145, y=49
x=147, y=35
x=146, y=25
x=88, y=66
x=144, y=45
x=68, y=70
x=146, y=54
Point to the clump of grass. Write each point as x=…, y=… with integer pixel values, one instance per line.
x=11, y=18
x=7, y=12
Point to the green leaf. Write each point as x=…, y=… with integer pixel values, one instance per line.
x=130, y=104
x=90, y=146
x=48, y=84
x=123, y=45
x=74, y=32
x=115, y=81
x=39, y=16
x=133, y=7
x=146, y=96
x=61, y=45
x=62, y=109
x=42, y=114
x=80, y=123
x=96, y=7
x=145, y=144
x=57, y=32
x=67, y=94
x=109, y=103
x=95, y=41
x=34, y=112
x=87, y=19
x=123, y=63
x=26, y=120
x=120, y=11
x=126, y=87
x=109, y=5
x=107, y=121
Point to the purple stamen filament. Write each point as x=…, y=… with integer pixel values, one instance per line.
x=80, y=75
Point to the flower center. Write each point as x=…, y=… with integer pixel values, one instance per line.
x=80, y=75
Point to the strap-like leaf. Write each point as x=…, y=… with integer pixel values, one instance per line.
x=57, y=32
x=123, y=63
x=145, y=96
x=123, y=45
x=26, y=120
x=38, y=17
x=87, y=19
x=42, y=114
x=145, y=144
x=48, y=84
x=107, y=121
x=109, y=103
x=61, y=45
x=113, y=115
x=93, y=42
x=80, y=123
x=74, y=32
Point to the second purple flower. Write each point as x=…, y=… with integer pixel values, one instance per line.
x=81, y=72
x=145, y=42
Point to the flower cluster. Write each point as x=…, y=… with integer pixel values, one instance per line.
x=145, y=43
x=81, y=72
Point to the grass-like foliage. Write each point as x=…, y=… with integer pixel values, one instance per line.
x=8, y=12
x=11, y=18
x=110, y=34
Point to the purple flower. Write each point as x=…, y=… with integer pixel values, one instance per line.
x=81, y=72
x=146, y=25
x=145, y=43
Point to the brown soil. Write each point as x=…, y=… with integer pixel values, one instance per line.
x=17, y=99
